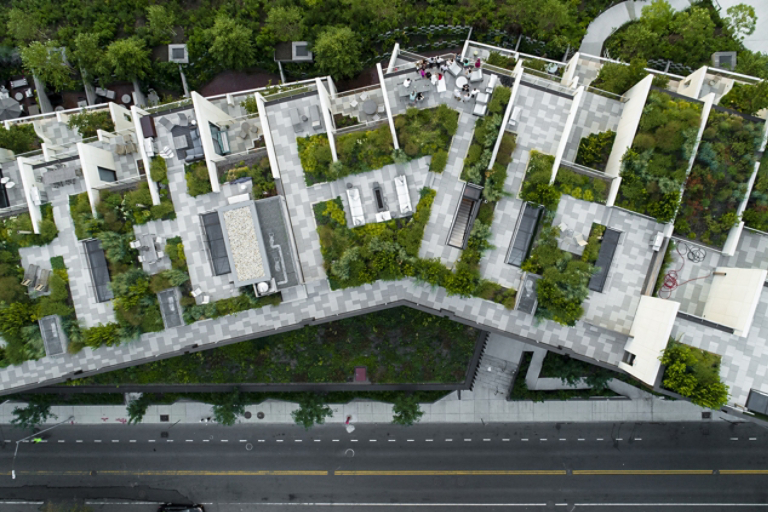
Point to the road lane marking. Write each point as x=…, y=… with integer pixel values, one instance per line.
x=638, y=439
x=171, y=473
x=467, y=440
x=317, y=440
x=132, y=441
x=429, y=440
x=243, y=440
x=297, y=440
x=61, y=440
x=79, y=441
x=169, y=440
x=371, y=440
x=580, y=439
x=261, y=440
x=115, y=440
x=619, y=438
x=642, y=471
x=448, y=440
x=189, y=440
x=391, y=440
x=335, y=440
x=409, y=440
x=753, y=439
x=204, y=440
x=353, y=440
x=151, y=440
x=599, y=439
x=744, y=471
x=97, y=440
x=543, y=439
x=563, y=439
x=486, y=440
x=524, y=439
x=279, y=440
x=450, y=472
x=505, y=439
x=734, y=439
x=225, y=440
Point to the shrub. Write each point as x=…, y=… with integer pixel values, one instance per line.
x=312, y=411
x=748, y=99
x=499, y=100
x=101, y=334
x=158, y=170
x=87, y=123
x=228, y=408
x=595, y=149
x=438, y=162
x=198, y=180
x=695, y=374
x=406, y=410
x=619, y=78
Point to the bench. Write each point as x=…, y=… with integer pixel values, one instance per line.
x=30, y=275
x=403, y=197
x=42, y=281
x=314, y=112
x=491, y=84
x=296, y=121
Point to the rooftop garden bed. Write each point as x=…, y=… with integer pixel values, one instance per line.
x=19, y=310
x=399, y=345
x=582, y=186
x=536, y=188
x=344, y=121
x=718, y=182
x=427, y=132
x=502, y=61
x=619, y=78
x=198, y=179
x=358, y=152
x=747, y=99
x=260, y=173
x=695, y=374
x=654, y=168
x=19, y=138
x=479, y=157
x=88, y=122
x=595, y=149
x=756, y=214
x=564, y=368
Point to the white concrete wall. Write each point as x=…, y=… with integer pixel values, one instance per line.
x=570, y=71
x=28, y=182
x=207, y=112
x=625, y=132
x=691, y=85
x=518, y=74
x=393, y=58
x=387, y=106
x=271, y=154
x=575, y=104
x=325, y=109
x=119, y=113
x=91, y=158
x=136, y=115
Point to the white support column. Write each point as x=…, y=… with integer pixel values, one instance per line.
x=137, y=114
x=387, y=107
x=566, y=132
x=393, y=58
x=325, y=107
x=270, y=144
x=570, y=71
x=27, y=182
x=332, y=87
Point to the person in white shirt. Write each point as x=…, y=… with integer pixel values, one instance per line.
x=407, y=82
x=434, y=79
x=474, y=92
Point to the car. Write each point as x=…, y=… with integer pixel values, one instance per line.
x=175, y=507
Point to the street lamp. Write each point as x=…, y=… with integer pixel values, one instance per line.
x=13, y=464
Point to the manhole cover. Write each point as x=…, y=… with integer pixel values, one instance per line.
x=247, y=415
x=249, y=447
x=260, y=415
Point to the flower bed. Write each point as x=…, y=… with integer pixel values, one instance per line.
x=654, y=167
x=595, y=149
x=358, y=152
x=198, y=179
x=581, y=186
x=717, y=184
x=756, y=214
x=479, y=156
x=536, y=187
x=260, y=173
x=398, y=345
x=427, y=132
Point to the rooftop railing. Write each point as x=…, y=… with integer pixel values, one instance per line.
x=293, y=90
x=547, y=81
x=41, y=117
x=363, y=125
x=580, y=169
x=169, y=106
x=606, y=94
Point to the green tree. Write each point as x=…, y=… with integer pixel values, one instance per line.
x=752, y=63
x=741, y=20
x=619, y=78
x=23, y=27
x=695, y=374
x=37, y=412
x=696, y=28
x=138, y=408
x=286, y=23
x=161, y=22
x=19, y=138
x=749, y=99
x=128, y=58
x=45, y=60
x=657, y=16
x=406, y=410
x=312, y=411
x=338, y=52
x=228, y=408
x=88, y=55
x=88, y=122
x=232, y=43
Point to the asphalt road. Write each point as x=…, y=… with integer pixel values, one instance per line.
x=616, y=467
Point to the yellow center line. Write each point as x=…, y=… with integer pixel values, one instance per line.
x=171, y=473
x=744, y=471
x=450, y=473
x=643, y=472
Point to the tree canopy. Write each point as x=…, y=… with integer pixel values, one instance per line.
x=46, y=61
x=338, y=52
x=128, y=58
x=231, y=43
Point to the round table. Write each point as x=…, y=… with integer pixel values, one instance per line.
x=19, y=96
x=10, y=184
x=369, y=107
x=126, y=98
x=59, y=109
x=461, y=82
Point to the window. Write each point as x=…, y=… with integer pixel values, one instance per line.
x=107, y=175
x=127, y=117
x=629, y=358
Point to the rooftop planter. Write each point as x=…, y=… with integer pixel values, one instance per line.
x=256, y=167
x=358, y=152
x=653, y=169
x=581, y=185
x=198, y=179
x=478, y=157
x=536, y=188
x=756, y=214
x=427, y=132
x=718, y=182
x=694, y=374
x=746, y=98
x=595, y=149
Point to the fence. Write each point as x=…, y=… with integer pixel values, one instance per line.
x=547, y=81
x=122, y=184
x=580, y=169
x=362, y=126
x=606, y=94
x=287, y=93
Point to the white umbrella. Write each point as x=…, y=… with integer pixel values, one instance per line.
x=9, y=109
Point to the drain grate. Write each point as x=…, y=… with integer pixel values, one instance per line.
x=706, y=415
x=164, y=417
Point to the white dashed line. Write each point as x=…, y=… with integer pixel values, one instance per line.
x=524, y=439
x=61, y=440
x=353, y=440
x=580, y=439
x=734, y=439
x=391, y=440
x=205, y=440
x=599, y=439
x=543, y=439
x=428, y=440
x=486, y=440
x=753, y=439
x=335, y=440
x=371, y=440
x=297, y=440
x=467, y=440
x=97, y=440
x=169, y=440
x=505, y=439
x=261, y=440
x=409, y=440
x=317, y=440
x=638, y=439
x=225, y=440
x=448, y=440
x=132, y=441
x=243, y=440
x=189, y=440
x=79, y=441
x=115, y=441
x=619, y=438
x=279, y=440
x=563, y=439
x=151, y=440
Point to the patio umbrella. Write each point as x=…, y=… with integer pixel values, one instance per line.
x=9, y=109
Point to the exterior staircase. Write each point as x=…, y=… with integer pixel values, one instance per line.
x=459, y=231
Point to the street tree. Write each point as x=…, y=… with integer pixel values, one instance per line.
x=160, y=24
x=406, y=410
x=229, y=407
x=138, y=408
x=312, y=411
x=338, y=52
x=46, y=61
x=23, y=27
x=741, y=20
x=286, y=23
x=88, y=55
x=231, y=43
x=37, y=412
x=128, y=59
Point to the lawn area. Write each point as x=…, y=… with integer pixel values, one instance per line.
x=427, y=132
x=718, y=182
x=654, y=167
x=399, y=345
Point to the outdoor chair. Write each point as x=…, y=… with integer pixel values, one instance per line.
x=353, y=103
x=363, y=96
x=135, y=244
x=197, y=291
x=160, y=254
x=42, y=281
x=206, y=299
x=141, y=258
x=579, y=239
x=165, y=123
x=491, y=84
x=381, y=109
x=29, y=275
x=183, y=120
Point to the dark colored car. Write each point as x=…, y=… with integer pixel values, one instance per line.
x=175, y=507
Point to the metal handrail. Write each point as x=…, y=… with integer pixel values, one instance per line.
x=168, y=106
x=284, y=93
x=359, y=126
x=581, y=169
x=548, y=82
x=606, y=94
x=359, y=89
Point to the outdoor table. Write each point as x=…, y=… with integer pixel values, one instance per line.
x=180, y=142
x=148, y=250
x=369, y=107
x=19, y=96
x=461, y=82
x=126, y=98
